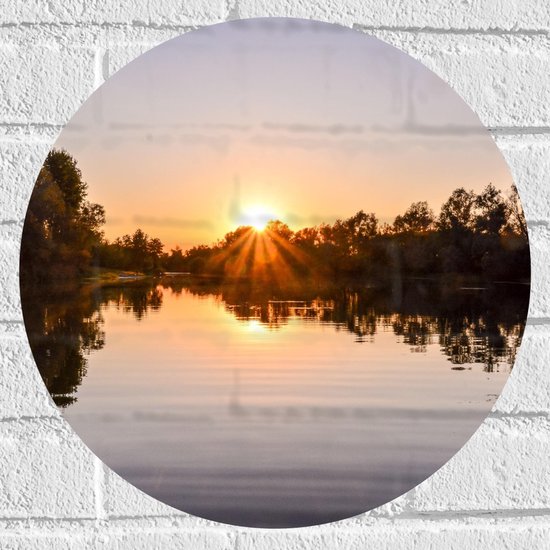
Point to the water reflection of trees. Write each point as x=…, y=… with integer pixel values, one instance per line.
x=61, y=332
x=65, y=325
x=137, y=299
x=469, y=325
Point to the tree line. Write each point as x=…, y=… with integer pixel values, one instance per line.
x=481, y=234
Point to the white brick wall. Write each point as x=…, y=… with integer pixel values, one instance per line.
x=495, y=493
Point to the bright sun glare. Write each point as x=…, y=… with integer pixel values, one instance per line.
x=257, y=217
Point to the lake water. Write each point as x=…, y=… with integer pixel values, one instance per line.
x=275, y=410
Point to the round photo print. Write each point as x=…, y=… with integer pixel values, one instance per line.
x=274, y=273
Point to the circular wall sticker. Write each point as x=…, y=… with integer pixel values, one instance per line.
x=274, y=273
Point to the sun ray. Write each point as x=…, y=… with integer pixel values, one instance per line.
x=223, y=259
x=239, y=267
x=297, y=254
x=264, y=259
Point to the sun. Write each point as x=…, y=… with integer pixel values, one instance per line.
x=257, y=217
x=259, y=226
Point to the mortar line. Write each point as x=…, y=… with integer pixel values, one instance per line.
x=233, y=9
x=518, y=131
x=183, y=27
x=406, y=515
x=430, y=29
x=27, y=418
x=538, y=321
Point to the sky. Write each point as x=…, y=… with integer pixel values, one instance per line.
x=288, y=119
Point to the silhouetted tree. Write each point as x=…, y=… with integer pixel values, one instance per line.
x=280, y=229
x=62, y=230
x=418, y=218
x=491, y=211
x=456, y=212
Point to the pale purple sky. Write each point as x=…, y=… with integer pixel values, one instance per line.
x=293, y=119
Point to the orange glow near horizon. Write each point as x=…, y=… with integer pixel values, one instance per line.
x=243, y=124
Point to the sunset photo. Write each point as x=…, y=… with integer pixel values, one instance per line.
x=274, y=273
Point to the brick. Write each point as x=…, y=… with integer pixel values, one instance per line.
x=463, y=533
x=9, y=275
x=47, y=472
x=529, y=160
x=23, y=391
x=143, y=539
x=500, y=468
x=99, y=12
x=183, y=12
x=539, y=303
x=457, y=535
x=528, y=388
x=55, y=83
x=437, y=14
x=20, y=163
x=39, y=541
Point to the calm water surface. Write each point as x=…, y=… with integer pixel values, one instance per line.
x=269, y=410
